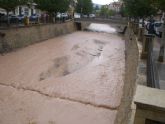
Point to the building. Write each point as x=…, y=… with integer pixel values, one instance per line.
x=26, y=10
x=115, y=6
x=2, y=11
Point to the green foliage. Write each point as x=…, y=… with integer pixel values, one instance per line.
x=106, y=12
x=84, y=6
x=161, y=4
x=123, y=11
x=53, y=5
x=140, y=8
x=111, y=13
x=10, y=5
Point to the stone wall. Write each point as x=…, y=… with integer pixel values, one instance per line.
x=82, y=25
x=150, y=105
x=132, y=55
x=20, y=37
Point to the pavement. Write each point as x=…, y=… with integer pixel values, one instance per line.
x=160, y=66
x=142, y=68
x=161, y=72
x=73, y=79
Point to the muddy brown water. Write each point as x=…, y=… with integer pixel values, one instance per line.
x=73, y=79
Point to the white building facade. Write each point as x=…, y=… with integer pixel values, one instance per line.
x=2, y=11
x=26, y=10
x=115, y=6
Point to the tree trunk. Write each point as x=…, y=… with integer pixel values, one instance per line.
x=143, y=22
x=51, y=17
x=8, y=20
x=162, y=45
x=55, y=15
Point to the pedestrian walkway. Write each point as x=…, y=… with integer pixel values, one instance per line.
x=161, y=69
x=142, y=68
x=160, y=66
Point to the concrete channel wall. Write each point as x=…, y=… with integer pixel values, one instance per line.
x=14, y=38
x=150, y=105
x=132, y=55
x=20, y=37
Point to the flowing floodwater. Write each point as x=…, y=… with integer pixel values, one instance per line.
x=104, y=28
x=73, y=79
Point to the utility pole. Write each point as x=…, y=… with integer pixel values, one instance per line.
x=162, y=44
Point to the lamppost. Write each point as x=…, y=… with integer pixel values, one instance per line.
x=162, y=45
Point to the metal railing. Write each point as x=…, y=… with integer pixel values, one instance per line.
x=102, y=20
x=152, y=71
x=38, y=21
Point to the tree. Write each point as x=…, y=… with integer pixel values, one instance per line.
x=123, y=11
x=84, y=7
x=161, y=6
x=53, y=6
x=139, y=8
x=10, y=5
x=144, y=8
x=104, y=11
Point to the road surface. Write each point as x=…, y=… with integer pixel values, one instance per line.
x=73, y=79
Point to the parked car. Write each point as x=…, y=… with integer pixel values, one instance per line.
x=77, y=15
x=21, y=18
x=58, y=15
x=3, y=19
x=158, y=23
x=11, y=18
x=158, y=27
x=64, y=15
x=141, y=22
x=34, y=18
x=92, y=15
x=85, y=16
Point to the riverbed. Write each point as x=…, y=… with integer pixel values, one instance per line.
x=77, y=78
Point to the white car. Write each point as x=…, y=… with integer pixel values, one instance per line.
x=92, y=15
x=85, y=16
x=77, y=15
x=58, y=15
x=65, y=15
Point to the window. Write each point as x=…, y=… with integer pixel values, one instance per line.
x=26, y=11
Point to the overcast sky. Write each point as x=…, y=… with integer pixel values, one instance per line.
x=103, y=2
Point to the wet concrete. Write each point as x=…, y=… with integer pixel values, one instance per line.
x=77, y=78
x=160, y=66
